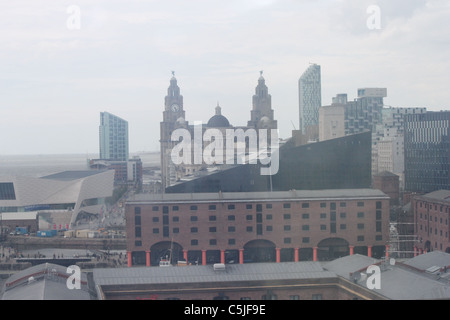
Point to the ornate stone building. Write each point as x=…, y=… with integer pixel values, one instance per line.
x=261, y=117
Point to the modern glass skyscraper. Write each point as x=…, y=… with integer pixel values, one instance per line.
x=310, y=97
x=113, y=132
x=427, y=151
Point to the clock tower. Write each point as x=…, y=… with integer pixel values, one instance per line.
x=173, y=118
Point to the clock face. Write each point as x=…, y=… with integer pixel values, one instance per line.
x=175, y=107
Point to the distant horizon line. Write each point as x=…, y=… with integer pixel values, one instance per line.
x=72, y=153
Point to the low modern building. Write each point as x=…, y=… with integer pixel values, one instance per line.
x=241, y=227
x=82, y=192
x=431, y=219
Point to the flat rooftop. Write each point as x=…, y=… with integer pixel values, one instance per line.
x=331, y=194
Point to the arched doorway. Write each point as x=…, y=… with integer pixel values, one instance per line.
x=259, y=251
x=332, y=248
x=165, y=250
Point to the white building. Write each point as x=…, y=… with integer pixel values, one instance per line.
x=77, y=191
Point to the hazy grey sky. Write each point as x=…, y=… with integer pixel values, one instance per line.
x=56, y=78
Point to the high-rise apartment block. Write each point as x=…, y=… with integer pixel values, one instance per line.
x=113, y=133
x=310, y=100
x=427, y=151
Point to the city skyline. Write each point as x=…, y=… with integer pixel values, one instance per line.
x=58, y=74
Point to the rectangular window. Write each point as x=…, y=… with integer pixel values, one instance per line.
x=231, y=207
x=212, y=242
x=165, y=209
x=7, y=191
x=360, y=226
x=212, y=218
x=232, y=229
x=286, y=216
x=138, y=243
x=378, y=226
x=305, y=227
x=155, y=208
x=194, y=242
x=137, y=210
x=287, y=228
x=323, y=204
x=175, y=208
x=286, y=205
x=193, y=208
x=137, y=232
x=259, y=229
x=269, y=206
x=155, y=230
x=305, y=215
x=360, y=215
x=212, y=207
x=194, y=230
x=137, y=220
x=360, y=204
x=248, y=206
x=231, y=218
x=165, y=219
x=305, y=205
x=259, y=217
x=165, y=231
x=212, y=229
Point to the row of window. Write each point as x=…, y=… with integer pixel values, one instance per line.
x=435, y=231
x=305, y=227
x=435, y=218
x=259, y=206
x=434, y=206
x=249, y=217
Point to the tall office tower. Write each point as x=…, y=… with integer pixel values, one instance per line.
x=427, y=151
x=390, y=141
x=310, y=100
x=113, y=137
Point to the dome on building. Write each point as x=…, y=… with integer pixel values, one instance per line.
x=218, y=120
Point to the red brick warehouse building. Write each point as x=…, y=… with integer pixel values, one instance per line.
x=205, y=228
x=432, y=221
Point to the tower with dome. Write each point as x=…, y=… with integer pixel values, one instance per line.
x=261, y=117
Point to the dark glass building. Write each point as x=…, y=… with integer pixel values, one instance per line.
x=427, y=151
x=340, y=163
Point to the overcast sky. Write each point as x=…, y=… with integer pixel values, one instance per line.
x=56, y=75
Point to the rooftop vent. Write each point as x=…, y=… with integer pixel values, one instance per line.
x=219, y=267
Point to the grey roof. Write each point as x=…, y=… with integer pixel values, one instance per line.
x=399, y=282
x=202, y=274
x=439, y=195
x=431, y=259
x=72, y=175
x=43, y=282
x=349, y=264
x=261, y=196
